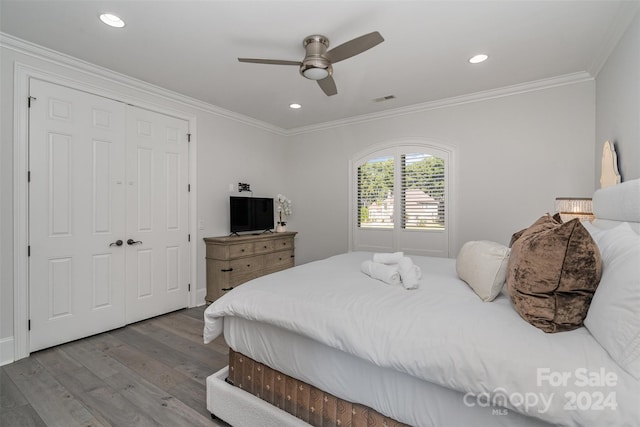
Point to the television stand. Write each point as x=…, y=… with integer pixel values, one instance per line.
x=233, y=260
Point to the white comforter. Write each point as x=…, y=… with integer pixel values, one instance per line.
x=442, y=333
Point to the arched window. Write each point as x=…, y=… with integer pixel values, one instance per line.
x=400, y=201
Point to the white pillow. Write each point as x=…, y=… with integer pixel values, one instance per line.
x=483, y=265
x=614, y=315
x=594, y=231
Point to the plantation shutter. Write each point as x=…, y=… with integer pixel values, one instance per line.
x=375, y=193
x=399, y=199
x=422, y=191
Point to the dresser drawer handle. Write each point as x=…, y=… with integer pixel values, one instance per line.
x=248, y=265
x=265, y=246
x=241, y=250
x=224, y=270
x=226, y=289
x=293, y=256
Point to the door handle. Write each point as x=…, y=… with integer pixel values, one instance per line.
x=133, y=242
x=116, y=243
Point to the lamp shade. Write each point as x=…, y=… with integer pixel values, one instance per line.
x=574, y=207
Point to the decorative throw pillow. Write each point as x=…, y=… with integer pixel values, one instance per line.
x=552, y=273
x=515, y=236
x=483, y=265
x=613, y=318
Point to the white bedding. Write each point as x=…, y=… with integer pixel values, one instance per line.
x=412, y=401
x=442, y=333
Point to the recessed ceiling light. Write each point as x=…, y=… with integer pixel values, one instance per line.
x=295, y=106
x=478, y=58
x=112, y=20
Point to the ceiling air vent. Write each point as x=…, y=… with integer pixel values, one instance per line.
x=385, y=98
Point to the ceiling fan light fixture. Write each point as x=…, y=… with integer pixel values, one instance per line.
x=316, y=73
x=112, y=20
x=295, y=106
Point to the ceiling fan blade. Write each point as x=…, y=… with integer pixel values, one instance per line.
x=328, y=86
x=354, y=47
x=270, y=61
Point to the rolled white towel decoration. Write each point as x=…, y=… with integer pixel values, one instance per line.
x=388, y=258
x=409, y=273
x=386, y=273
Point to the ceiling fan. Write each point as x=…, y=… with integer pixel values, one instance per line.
x=318, y=62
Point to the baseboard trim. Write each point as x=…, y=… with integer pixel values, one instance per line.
x=6, y=351
x=200, y=297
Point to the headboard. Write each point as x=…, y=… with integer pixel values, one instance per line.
x=618, y=203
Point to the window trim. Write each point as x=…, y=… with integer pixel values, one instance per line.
x=391, y=146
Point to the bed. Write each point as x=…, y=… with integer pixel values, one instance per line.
x=325, y=344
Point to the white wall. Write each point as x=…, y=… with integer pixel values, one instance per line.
x=228, y=151
x=618, y=104
x=513, y=156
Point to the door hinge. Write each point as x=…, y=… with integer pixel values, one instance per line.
x=29, y=98
x=188, y=237
x=188, y=188
x=188, y=137
x=29, y=324
x=189, y=287
x=28, y=176
x=29, y=250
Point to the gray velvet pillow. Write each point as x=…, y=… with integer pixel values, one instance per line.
x=552, y=274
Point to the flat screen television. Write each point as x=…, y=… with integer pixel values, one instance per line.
x=250, y=214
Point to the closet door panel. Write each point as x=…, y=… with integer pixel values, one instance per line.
x=157, y=200
x=76, y=210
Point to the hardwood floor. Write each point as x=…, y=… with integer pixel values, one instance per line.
x=150, y=373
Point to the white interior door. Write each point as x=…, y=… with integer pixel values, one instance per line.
x=76, y=210
x=108, y=214
x=157, y=214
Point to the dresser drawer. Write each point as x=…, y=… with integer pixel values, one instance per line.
x=245, y=266
x=263, y=247
x=279, y=244
x=279, y=259
x=240, y=249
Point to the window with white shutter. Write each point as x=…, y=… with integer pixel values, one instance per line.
x=399, y=191
x=375, y=193
x=422, y=189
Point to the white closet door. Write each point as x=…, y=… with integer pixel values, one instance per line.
x=76, y=210
x=157, y=214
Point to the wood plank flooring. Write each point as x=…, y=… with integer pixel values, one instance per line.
x=150, y=373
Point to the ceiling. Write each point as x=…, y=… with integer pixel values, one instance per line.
x=191, y=47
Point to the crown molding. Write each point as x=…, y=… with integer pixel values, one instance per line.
x=58, y=58
x=563, y=80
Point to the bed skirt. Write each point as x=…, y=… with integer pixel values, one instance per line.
x=298, y=398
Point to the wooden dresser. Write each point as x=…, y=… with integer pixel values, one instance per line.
x=233, y=260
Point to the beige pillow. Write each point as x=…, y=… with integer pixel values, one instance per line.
x=552, y=274
x=483, y=265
